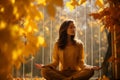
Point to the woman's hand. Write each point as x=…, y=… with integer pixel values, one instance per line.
x=92, y=67
x=96, y=68
x=38, y=66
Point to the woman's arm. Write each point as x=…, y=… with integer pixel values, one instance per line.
x=55, y=57
x=82, y=64
x=81, y=56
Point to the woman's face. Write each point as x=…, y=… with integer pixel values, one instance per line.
x=71, y=29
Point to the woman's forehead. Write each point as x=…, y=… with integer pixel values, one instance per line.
x=71, y=24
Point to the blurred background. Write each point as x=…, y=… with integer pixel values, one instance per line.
x=89, y=32
x=29, y=29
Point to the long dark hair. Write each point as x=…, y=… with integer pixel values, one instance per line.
x=62, y=40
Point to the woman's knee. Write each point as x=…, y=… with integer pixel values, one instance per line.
x=44, y=71
x=91, y=72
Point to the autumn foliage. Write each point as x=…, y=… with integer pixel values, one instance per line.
x=109, y=16
x=19, y=34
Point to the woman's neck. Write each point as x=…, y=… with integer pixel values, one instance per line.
x=69, y=41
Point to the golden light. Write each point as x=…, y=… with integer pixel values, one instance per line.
x=15, y=12
x=29, y=29
x=47, y=29
x=26, y=21
x=12, y=1
x=2, y=25
x=17, y=15
x=37, y=18
x=35, y=30
x=43, y=2
x=80, y=32
x=101, y=9
x=14, y=30
x=16, y=54
x=41, y=41
x=102, y=28
x=41, y=15
x=2, y=9
x=31, y=4
x=21, y=31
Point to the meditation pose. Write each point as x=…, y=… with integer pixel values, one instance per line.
x=68, y=57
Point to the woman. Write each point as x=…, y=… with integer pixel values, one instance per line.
x=68, y=56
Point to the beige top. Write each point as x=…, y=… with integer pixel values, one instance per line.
x=72, y=57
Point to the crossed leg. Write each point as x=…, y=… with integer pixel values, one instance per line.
x=53, y=74
x=82, y=75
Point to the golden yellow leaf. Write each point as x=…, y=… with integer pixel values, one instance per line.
x=82, y=2
x=15, y=12
x=16, y=54
x=102, y=28
x=58, y=3
x=51, y=10
x=17, y=15
x=99, y=3
x=43, y=2
x=34, y=14
x=31, y=45
x=74, y=3
x=14, y=30
x=68, y=4
x=39, y=16
x=29, y=29
x=30, y=26
x=26, y=22
x=101, y=9
x=46, y=28
x=40, y=41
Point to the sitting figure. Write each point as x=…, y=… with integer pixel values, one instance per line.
x=68, y=57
